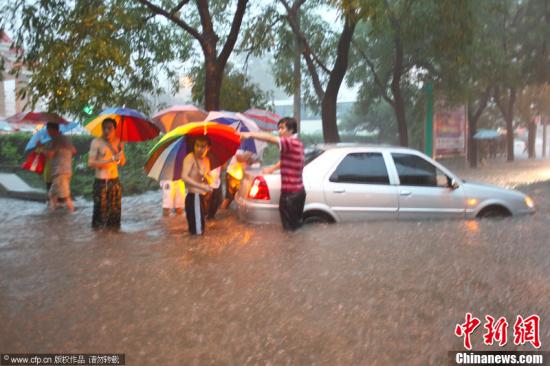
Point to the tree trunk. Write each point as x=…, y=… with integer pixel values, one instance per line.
x=297, y=92
x=510, y=125
x=531, y=138
x=473, y=116
x=506, y=106
x=328, y=115
x=328, y=103
x=510, y=138
x=297, y=105
x=399, y=103
x=212, y=85
x=399, y=109
x=472, y=143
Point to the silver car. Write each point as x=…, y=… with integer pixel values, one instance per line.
x=350, y=182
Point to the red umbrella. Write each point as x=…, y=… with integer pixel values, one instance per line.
x=36, y=118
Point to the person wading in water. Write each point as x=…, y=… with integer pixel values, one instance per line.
x=105, y=156
x=196, y=175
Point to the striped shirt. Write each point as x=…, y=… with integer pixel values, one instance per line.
x=292, y=164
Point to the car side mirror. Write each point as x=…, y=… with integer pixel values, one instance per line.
x=453, y=184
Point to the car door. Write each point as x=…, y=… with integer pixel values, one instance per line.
x=358, y=188
x=425, y=191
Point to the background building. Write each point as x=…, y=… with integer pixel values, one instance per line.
x=9, y=85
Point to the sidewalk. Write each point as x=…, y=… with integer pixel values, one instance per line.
x=508, y=174
x=12, y=186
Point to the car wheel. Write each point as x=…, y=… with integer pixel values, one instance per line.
x=317, y=217
x=494, y=212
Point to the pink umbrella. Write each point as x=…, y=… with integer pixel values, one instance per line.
x=178, y=115
x=266, y=120
x=36, y=118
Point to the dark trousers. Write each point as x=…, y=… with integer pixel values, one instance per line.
x=195, y=208
x=107, y=204
x=213, y=202
x=291, y=208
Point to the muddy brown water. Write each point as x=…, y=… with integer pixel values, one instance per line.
x=376, y=293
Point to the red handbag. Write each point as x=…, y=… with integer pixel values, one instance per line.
x=35, y=162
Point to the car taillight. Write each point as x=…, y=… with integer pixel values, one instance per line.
x=259, y=190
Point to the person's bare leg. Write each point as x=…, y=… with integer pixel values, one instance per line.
x=179, y=211
x=225, y=204
x=53, y=202
x=70, y=204
x=166, y=212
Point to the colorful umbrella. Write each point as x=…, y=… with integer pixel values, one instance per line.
x=266, y=120
x=36, y=118
x=165, y=160
x=43, y=137
x=240, y=123
x=178, y=115
x=132, y=126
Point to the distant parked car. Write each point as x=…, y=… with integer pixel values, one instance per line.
x=350, y=182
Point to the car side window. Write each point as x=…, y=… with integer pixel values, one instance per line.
x=415, y=171
x=362, y=168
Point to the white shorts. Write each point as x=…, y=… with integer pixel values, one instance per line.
x=173, y=194
x=61, y=186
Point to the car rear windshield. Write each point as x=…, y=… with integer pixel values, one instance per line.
x=311, y=154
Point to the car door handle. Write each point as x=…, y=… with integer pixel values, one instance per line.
x=339, y=190
x=405, y=193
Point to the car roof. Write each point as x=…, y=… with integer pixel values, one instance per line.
x=354, y=145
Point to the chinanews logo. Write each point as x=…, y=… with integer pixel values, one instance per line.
x=525, y=331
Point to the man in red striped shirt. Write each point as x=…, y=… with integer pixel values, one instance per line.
x=291, y=164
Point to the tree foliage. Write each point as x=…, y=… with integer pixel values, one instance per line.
x=114, y=52
x=325, y=52
x=92, y=52
x=522, y=31
x=405, y=43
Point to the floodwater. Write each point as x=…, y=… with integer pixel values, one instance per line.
x=383, y=293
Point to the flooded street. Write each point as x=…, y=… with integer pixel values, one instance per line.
x=378, y=293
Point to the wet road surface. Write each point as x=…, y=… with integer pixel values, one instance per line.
x=364, y=294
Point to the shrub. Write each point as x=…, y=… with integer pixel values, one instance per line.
x=132, y=176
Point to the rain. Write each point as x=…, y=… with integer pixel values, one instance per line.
x=373, y=293
x=330, y=140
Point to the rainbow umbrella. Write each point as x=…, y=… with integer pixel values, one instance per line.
x=266, y=120
x=178, y=115
x=132, y=126
x=240, y=123
x=36, y=118
x=165, y=160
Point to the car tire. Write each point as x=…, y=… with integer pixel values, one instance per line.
x=494, y=212
x=317, y=217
